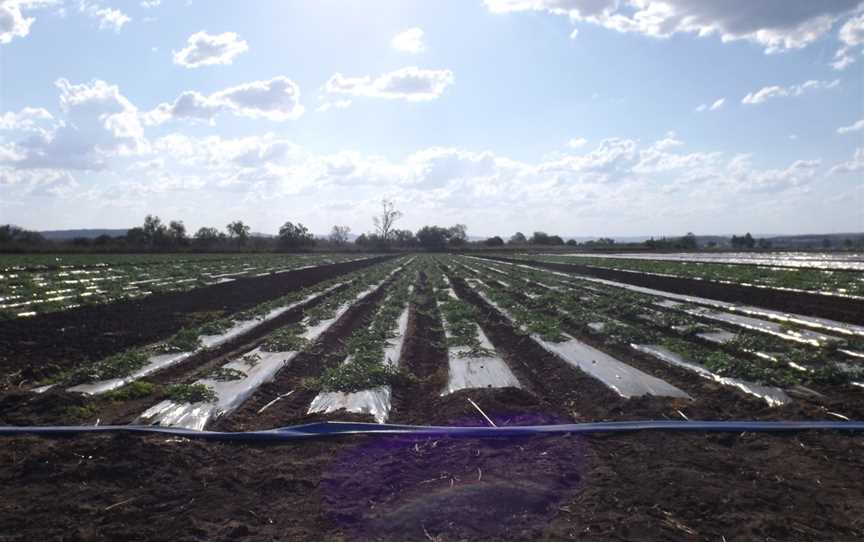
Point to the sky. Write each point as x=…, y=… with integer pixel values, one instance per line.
x=574, y=117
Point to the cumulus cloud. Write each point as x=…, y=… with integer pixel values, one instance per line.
x=577, y=143
x=409, y=41
x=854, y=165
x=109, y=18
x=854, y=127
x=205, y=49
x=99, y=122
x=851, y=35
x=777, y=25
x=411, y=84
x=767, y=93
x=277, y=99
x=13, y=24
x=28, y=119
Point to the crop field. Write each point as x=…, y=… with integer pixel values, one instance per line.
x=31, y=285
x=423, y=339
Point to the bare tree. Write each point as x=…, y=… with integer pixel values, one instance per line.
x=339, y=235
x=389, y=216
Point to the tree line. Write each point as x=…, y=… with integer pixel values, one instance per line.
x=154, y=235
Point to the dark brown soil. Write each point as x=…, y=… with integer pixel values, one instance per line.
x=632, y=487
x=35, y=348
x=809, y=304
x=643, y=486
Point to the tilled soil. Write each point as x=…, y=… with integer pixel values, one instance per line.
x=833, y=307
x=634, y=487
x=36, y=348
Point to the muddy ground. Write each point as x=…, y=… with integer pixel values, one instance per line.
x=38, y=347
x=639, y=486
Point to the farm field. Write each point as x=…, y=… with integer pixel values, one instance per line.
x=844, y=277
x=427, y=339
x=35, y=284
x=817, y=260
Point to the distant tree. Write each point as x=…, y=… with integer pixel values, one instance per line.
x=540, y=238
x=207, y=237
x=555, y=240
x=607, y=241
x=764, y=243
x=386, y=220
x=362, y=240
x=14, y=234
x=433, y=237
x=494, y=242
x=404, y=238
x=238, y=231
x=458, y=235
x=518, y=238
x=136, y=237
x=339, y=235
x=293, y=236
x=80, y=242
x=847, y=243
x=571, y=242
x=688, y=242
x=826, y=243
x=102, y=240
x=177, y=233
x=155, y=232
x=746, y=241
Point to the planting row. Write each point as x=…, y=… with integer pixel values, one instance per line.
x=210, y=333
x=815, y=260
x=828, y=281
x=720, y=344
x=26, y=292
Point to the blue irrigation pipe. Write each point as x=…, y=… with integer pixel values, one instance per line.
x=334, y=429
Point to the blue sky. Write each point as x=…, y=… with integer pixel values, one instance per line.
x=578, y=117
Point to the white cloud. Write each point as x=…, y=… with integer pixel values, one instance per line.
x=12, y=22
x=717, y=104
x=777, y=25
x=109, y=18
x=577, y=143
x=851, y=35
x=205, y=49
x=99, y=122
x=766, y=93
x=854, y=127
x=409, y=41
x=147, y=4
x=411, y=84
x=28, y=119
x=852, y=166
x=277, y=99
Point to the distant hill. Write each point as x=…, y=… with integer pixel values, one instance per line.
x=60, y=235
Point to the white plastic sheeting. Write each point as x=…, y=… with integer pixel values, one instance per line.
x=161, y=361
x=468, y=371
x=811, y=321
x=376, y=401
x=771, y=395
x=232, y=394
x=623, y=379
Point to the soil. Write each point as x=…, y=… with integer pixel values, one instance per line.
x=35, y=348
x=633, y=487
x=833, y=307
